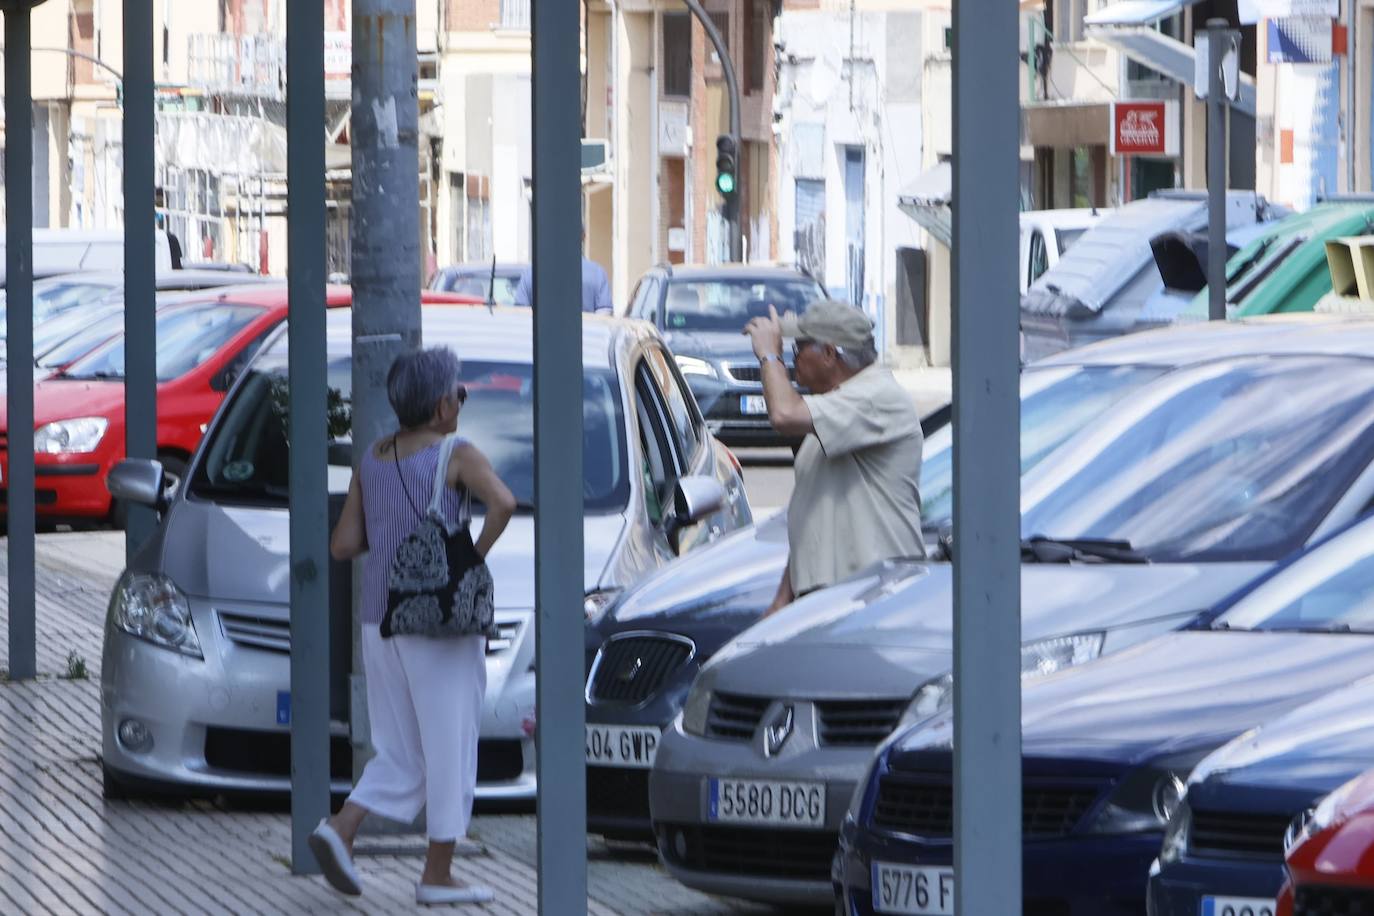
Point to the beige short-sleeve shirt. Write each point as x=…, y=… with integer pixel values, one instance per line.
x=857, y=499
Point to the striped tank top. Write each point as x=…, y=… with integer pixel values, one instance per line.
x=389, y=516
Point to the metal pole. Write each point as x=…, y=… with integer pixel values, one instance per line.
x=558, y=569
x=1217, y=38
x=727, y=66
x=19, y=288
x=140, y=257
x=384, y=237
x=987, y=592
x=308, y=461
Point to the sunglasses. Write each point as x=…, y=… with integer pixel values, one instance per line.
x=799, y=346
x=461, y=393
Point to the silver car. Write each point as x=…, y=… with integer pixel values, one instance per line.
x=1195, y=484
x=196, y=666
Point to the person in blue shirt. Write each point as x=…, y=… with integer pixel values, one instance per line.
x=596, y=287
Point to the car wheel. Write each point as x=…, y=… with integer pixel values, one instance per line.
x=173, y=469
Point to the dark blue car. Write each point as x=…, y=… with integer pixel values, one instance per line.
x=1223, y=851
x=1107, y=746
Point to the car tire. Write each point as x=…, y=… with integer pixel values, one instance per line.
x=173, y=465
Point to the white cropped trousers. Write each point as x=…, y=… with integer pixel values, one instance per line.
x=424, y=699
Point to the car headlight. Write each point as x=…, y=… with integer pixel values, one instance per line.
x=70, y=437
x=934, y=696
x=1147, y=799
x=1046, y=656
x=150, y=606
x=695, y=709
x=690, y=365
x=595, y=604
x=1176, y=835
x=1314, y=820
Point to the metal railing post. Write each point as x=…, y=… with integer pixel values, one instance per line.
x=23, y=662
x=140, y=257
x=308, y=412
x=558, y=551
x=987, y=595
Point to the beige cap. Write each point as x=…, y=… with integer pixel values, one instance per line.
x=838, y=324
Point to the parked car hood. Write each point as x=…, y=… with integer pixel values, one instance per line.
x=740, y=570
x=1176, y=693
x=910, y=603
x=65, y=399
x=1297, y=757
x=237, y=553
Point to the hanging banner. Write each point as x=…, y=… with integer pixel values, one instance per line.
x=1299, y=40
x=1144, y=129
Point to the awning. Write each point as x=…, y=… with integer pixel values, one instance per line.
x=1068, y=126
x=1129, y=27
x=927, y=199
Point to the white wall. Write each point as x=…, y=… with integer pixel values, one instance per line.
x=885, y=118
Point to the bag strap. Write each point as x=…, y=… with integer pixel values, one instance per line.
x=450, y=442
x=396, y=455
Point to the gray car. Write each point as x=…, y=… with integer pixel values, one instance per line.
x=196, y=672
x=1194, y=485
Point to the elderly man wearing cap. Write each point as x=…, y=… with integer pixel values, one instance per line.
x=856, y=500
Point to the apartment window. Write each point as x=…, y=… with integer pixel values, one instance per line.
x=756, y=45
x=677, y=54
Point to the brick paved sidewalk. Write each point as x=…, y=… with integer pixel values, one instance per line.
x=63, y=849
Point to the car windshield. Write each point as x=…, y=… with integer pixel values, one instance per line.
x=1056, y=402
x=76, y=345
x=1066, y=237
x=79, y=323
x=1330, y=589
x=728, y=305
x=466, y=284
x=53, y=297
x=1235, y=460
x=245, y=458
x=186, y=338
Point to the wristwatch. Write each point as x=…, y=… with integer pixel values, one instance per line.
x=771, y=357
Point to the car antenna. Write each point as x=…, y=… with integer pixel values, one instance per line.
x=491, y=286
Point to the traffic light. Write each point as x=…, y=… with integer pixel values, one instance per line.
x=726, y=158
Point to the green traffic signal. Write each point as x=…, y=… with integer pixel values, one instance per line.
x=725, y=183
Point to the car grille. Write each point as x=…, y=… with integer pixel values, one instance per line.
x=273, y=635
x=499, y=761
x=1227, y=834
x=927, y=809
x=631, y=669
x=797, y=854
x=1321, y=900
x=257, y=632
x=262, y=753
x=752, y=373
x=733, y=717
x=616, y=792
x=857, y=723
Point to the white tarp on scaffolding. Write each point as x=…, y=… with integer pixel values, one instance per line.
x=220, y=144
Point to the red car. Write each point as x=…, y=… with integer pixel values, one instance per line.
x=1331, y=862
x=202, y=345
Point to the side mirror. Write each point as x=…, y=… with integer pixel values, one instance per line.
x=695, y=498
x=138, y=481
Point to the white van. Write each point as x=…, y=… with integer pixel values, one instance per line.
x=1047, y=234
x=63, y=251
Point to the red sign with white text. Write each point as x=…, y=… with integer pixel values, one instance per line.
x=1144, y=129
